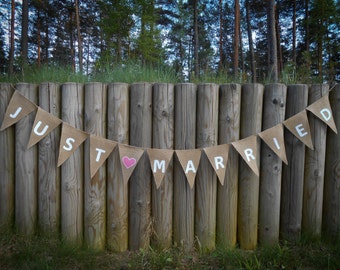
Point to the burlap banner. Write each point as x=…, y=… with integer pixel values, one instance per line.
x=218, y=157
x=322, y=109
x=44, y=123
x=248, y=150
x=71, y=138
x=274, y=138
x=189, y=160
x=159, y=162
x=299, y=126
x=129, y=157
x=19, y=107
x=100, y=148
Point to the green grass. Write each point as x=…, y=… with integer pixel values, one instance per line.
x=49, y=252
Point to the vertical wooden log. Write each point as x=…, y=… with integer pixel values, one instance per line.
x=248, y=201
x=72, y=170
x=26, y=168
x=163, y=138
x=7, y=159
x=117, y=190
x=206, y=179
x=229, y=131
x=95, y=187
x=331, y=203
x=49, y=173
x=314, y=168
x=293, y=173
x=140, y=181
x=274, y=107
x=185, y=138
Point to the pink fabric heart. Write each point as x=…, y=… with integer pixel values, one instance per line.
x=129, y=162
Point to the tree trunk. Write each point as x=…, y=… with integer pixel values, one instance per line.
x=236, y=36
x=278, y=42
x=294, y=33
x=251, y=46
x=80, y=43
x=221, y=64
x=24, y=33
x=11, y=49
x=272, y=46
x=196, y=42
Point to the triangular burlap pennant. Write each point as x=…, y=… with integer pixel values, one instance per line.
x=247, y=148
x=129, y=157
x=322, y=109
x=71, y=138
x=299, y=126
x=19, y=106
x=159, y=161
x=100, y=149
x=189, y=160
x=218, y=157
x=43, y=124
x=274, y=138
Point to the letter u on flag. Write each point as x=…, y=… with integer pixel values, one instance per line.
x=43, y=124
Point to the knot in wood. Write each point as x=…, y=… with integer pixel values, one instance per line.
x=164, y=113
x=317, y=173
x=275, y=101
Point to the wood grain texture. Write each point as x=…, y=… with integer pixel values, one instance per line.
x=7, y=160
x=117, y=190
x=26, y=168
x=229, y=131
x=185, y=138
x=331, y=207
x=95, y=187
x=206, y=179
x=274, y=105
x=49, y=173
x=248, y=200
x=72, y=170
x=140, y=180
x=293, y=173
x=163, y=138
x=314, y=168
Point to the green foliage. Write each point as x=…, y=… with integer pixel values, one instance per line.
x=48, y=251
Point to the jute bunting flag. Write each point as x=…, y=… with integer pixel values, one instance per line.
x=218, y=157
x=159, y=161
x=71, y=138
x=129, y=157
x=299, y=126
x=44, y=123
x=274, y=138
x=189, y=160
x=322, y=109
x=19, y=107
x=100, y=149
x=248, y=150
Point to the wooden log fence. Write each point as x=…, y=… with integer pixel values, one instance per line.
x=104, y=211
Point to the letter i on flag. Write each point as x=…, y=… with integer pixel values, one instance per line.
x=19, y=107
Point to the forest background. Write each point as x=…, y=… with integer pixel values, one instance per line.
x=241, y=40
